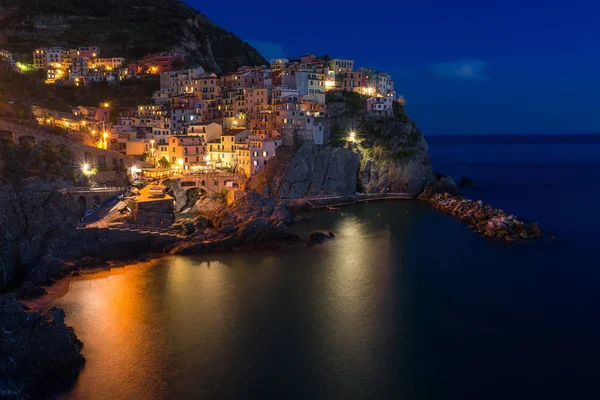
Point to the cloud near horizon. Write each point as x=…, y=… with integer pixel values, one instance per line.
x=468, y=69
x=267, y=49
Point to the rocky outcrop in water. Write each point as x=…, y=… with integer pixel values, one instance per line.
x=485, y=219
x=252, y=221
x=39, y=353
x=319, y=237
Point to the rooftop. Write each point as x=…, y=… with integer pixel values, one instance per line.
x=233, y=132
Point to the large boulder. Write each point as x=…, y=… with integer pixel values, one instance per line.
x=319, y=237
x=249, y=222
x=253, y=206
x=178, y=192
x=39, y=353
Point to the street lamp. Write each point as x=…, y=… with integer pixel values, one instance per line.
x=352, y=136
x=85, y=168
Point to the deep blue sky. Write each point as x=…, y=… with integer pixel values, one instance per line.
x=464, y=66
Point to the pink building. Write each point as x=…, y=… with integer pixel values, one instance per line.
x=380, y=106
x=89, y=52
x=254, y=79
x=161, y=62
x=93, y=114
x=261, y=152
x=188, y=101
x=308, y=58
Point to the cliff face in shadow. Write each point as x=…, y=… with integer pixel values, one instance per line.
x=320, y=170
x=35, y=228
x=39, y=353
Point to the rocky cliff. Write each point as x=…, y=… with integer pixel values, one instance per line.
x=394, y=158
x=35, y=228
x=38, y=352
x=383, y=155
x=129, y=28
x=320, y=170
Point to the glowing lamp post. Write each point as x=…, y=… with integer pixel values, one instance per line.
x=352, y=136
x=85, y=168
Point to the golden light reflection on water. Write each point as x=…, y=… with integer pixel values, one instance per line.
x=198, y=323
x=359, y=268
x=113, y=315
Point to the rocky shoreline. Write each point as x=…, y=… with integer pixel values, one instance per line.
x=39, y=353
x=485, y=219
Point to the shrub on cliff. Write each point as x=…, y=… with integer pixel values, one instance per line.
x=42, y=160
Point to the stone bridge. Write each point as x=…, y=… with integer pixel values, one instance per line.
x=111, y=165
x=213, y=182
x=82, y=198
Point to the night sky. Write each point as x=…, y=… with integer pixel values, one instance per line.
x=464, y=66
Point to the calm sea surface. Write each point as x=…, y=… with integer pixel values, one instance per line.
x=405, y=302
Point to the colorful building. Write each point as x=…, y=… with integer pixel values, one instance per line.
x=208, y=131
x=161, y=62
x=108, y=63
x=380, y=106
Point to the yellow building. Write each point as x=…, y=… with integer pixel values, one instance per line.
x=108, y=63
x=243, y=159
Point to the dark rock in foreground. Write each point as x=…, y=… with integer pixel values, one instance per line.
x=319, y=237
x=485, y=219
x=39, y=354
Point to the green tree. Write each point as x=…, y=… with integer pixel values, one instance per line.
x=164, y=163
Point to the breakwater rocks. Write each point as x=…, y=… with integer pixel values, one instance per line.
x=39, y=353
x=485, y=219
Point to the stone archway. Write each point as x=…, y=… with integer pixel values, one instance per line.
x=27, y=140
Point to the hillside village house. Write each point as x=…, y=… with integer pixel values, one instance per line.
x=207, y=131
x=260, y=152
x=6, y=56
x=222, y=151
x=158, y=63
x=93, y=114
x=380, y=106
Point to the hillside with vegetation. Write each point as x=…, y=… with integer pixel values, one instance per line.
x=18, y=91
x=128, y=28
